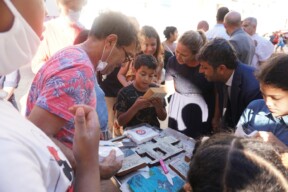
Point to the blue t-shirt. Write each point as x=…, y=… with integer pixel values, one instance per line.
x=258, y=117
x=101, y=108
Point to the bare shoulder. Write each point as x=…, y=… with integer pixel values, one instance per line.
x=31, y=10
x=6, y=17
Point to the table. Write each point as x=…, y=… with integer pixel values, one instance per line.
x=182, y=146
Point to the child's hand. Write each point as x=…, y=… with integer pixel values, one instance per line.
x=271, y=138
x=156, y=102
x=142, y=103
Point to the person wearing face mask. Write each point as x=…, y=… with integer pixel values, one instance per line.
x=68, y=78
x=31, y=161
x=59, y=32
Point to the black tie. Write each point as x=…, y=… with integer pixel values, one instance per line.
x=225, y=96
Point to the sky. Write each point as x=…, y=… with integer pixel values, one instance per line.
x=185, y=14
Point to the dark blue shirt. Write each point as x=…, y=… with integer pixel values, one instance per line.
x=258, y=117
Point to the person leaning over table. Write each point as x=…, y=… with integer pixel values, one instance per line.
x=191, y=106
x=269, y=115
x=31, y=161
x=235, y=81
x=68, y=78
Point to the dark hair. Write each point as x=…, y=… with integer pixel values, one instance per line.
x=115, y=23
x=228, y=163
x=221, y=12
x=193, y=40
x=274, y=72
x=150, y=32
x=218, y=51
x=145, y=60
x=168, y=30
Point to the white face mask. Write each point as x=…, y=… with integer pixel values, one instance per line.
x=103, y=64
x=18, y=45
x=74, y=15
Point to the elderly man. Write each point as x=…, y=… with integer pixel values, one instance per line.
x=263, y=47
x=241, y=41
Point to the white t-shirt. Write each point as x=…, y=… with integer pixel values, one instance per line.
x=29, y=160
x=217, y=31
x=263, y=50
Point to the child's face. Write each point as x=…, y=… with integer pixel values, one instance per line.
x=144, y=77
x=149, y=45
x=276, y=99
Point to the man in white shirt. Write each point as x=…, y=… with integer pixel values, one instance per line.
x=263, y=47
x=30, y=161
x=219, y=30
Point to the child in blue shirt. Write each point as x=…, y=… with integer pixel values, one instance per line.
x=269, y=116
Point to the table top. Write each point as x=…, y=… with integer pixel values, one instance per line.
x=170, y=145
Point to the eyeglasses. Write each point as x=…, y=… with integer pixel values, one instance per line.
x=128, y=58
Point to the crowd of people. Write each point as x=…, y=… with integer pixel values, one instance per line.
x=89, y=83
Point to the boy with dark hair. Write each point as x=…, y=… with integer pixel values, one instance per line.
x=132, y=109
